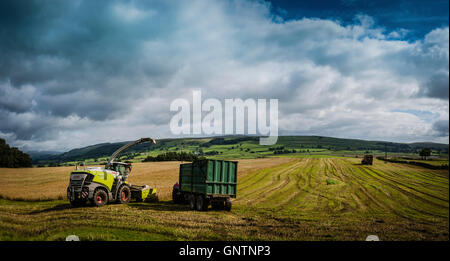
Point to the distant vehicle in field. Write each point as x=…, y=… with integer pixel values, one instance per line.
x=102, y=185
x=206, y=182
x=367, y=160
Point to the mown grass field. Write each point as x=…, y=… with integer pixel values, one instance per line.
x=321, y=198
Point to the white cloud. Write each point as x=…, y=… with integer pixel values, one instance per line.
x=129, y=13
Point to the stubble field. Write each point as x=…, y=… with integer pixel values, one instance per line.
x=278, y=199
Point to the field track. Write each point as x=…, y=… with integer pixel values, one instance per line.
x=278, y=199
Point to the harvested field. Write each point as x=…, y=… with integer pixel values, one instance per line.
x=282, y=199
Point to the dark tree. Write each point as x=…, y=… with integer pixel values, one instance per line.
x=174, y=156
x=425, y=152
x=13, y=157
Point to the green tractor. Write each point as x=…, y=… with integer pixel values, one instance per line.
x=104, y=185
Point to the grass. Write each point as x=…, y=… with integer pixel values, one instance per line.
x=278, y=199
x=331, y=182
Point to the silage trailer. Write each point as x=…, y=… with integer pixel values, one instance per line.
x=205, y=182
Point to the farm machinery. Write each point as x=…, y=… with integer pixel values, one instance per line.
x=206, y=182
x=367, y=160
x=109, y=184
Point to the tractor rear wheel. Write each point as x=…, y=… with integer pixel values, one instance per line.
x=124, y=195
x=192, y=202
x=100, y=198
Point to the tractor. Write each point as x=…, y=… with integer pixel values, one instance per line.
x=101, y=186
x=367, y=160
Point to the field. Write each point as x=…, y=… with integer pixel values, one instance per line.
x=283, y=198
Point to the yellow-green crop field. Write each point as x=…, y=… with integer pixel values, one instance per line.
x=278, y=199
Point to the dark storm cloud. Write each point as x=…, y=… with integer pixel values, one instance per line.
x=79, y=47
x=10, y=98
x=441, y=127
x=438, y=86
x=27, y=126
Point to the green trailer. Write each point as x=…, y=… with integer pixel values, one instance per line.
x=206, y=182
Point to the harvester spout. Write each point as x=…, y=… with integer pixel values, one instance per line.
x=117, y=152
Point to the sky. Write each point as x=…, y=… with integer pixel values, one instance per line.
x=77, y=73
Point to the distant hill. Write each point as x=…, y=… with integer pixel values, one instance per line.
x=11, y=157
x=36, y=155
x=233, y=146
x=435, y=146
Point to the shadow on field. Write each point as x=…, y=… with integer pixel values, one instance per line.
x=161, y=206
x=55, y=208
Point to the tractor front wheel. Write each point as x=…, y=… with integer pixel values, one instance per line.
x=100, y=198
x=124, y=195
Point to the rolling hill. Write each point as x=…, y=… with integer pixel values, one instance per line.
x=241, y=147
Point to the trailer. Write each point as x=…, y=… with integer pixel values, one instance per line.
x=367, y=160
x=206, y=182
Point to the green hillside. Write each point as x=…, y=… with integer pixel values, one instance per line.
x=234, y=147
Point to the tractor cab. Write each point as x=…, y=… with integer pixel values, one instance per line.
x=123, y=168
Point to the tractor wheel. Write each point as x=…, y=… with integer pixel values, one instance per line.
x=192, y=202
x=202, y=203
x=100, y=198
x=228, y=204
x=124, y=195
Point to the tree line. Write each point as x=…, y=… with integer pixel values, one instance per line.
x=172, y=156
x=11, y=157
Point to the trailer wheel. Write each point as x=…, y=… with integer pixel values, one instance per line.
x=181, y=199
x=124, y=195
x=202, y=203
x=192, y=202
x=176, y=197
x=228, y=204
x=100, y=198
